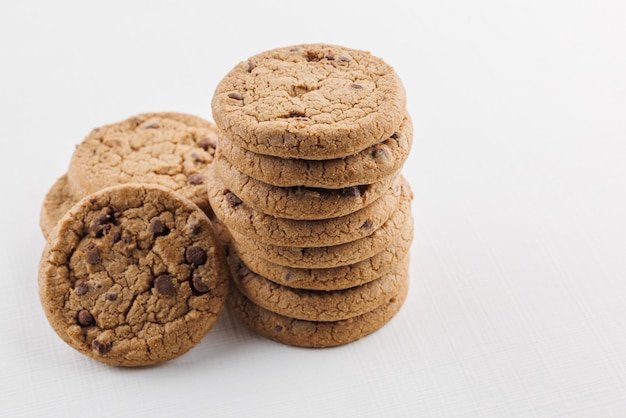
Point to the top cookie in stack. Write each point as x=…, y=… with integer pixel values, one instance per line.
x=311, y=141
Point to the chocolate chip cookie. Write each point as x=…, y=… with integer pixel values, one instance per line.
x=335, y=255
x=317, y=305
x=133, y=275
x=317, y=334
x=367, y=166
x=238, y=216
x=58, y=200
x=169, y=149
x=300, y=203
x=313, y=101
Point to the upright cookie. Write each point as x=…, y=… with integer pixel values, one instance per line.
x=317, y=305
x=58, y=200
x=335, y=255
x=133, y=275
x=238, y=216
x=316, y=334
x=313, y=101
x=169, y=149
x=370, y=165
x=301, y=203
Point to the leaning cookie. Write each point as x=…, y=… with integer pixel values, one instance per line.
x=316, y=334
x=370, y=165
x=300, y=203
x=59, y=199
x=317, y=305
x=238, y=216
x=170, y=149
x=133, y=275
x=322, y=101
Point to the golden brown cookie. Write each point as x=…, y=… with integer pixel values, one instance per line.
x=133, y=275
x=313, y=101
x=238, y=216
x=169, y=149
x=317, y=334
x=301, y=203
x=370, y=165
x=58, y=200
x=317, y=305
x=335, y=255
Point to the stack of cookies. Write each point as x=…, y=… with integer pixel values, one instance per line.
x=133, y=272
x=306, y=179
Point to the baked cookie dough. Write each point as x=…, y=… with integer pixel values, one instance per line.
x=316, y=334
x=238, y=216
x=370, y=165
x=335, y=255
x=313, y=101
x=169, y=149
x=317, y=305
x=300, y=203
x=58, y=200
x=133, y=275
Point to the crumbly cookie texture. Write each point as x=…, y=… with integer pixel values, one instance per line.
x=133, y=275
x=300, y=203
x=313, y=101
x=336, y=278
x=169, y=149
x=58, y=200
x=238, y=216
x=335, y=255
x=317, y=305
x=367, y=166
x=319, y=334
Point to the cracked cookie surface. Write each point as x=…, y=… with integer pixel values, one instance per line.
x=133, y=275
x=300, y=203
x=238, y=216
x=170, y=149
x=313, y=101
x=367, y=166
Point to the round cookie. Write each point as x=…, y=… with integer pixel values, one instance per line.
x=367, y=166
x=238, y=216
x=313, y=101
x=300, y=203
x=336, y=278
x=335, y=255
x=169, y=149
x=59, y=199
x=317, y=305
x=316, y=334
x=133, y=275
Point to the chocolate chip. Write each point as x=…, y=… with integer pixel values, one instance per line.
x=344, y=57
x=163, y=284
x=288, y=276
x=296, y=114
x=158, y=228
x=116, y=234
x=380, y=154
x=196, y=256
x=97, y=225
x=84, y=318
x=351, y=191
x=395, y=135
x=251, y=66
x=356, y=86
x=151, y=125
x=314, y=55
x=195, y=179
x=232, y=199
x=330, y=57
x=100, y=347
x=278, y=328
x=93, y=255
x=198, y=284
x=235, y=95
x=111, y=296
x=368, y=224
x=206, y=143
x=81, y=287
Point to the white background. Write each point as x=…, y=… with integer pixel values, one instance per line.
x=518, y=277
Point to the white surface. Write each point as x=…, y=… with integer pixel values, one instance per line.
x=517, y=306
